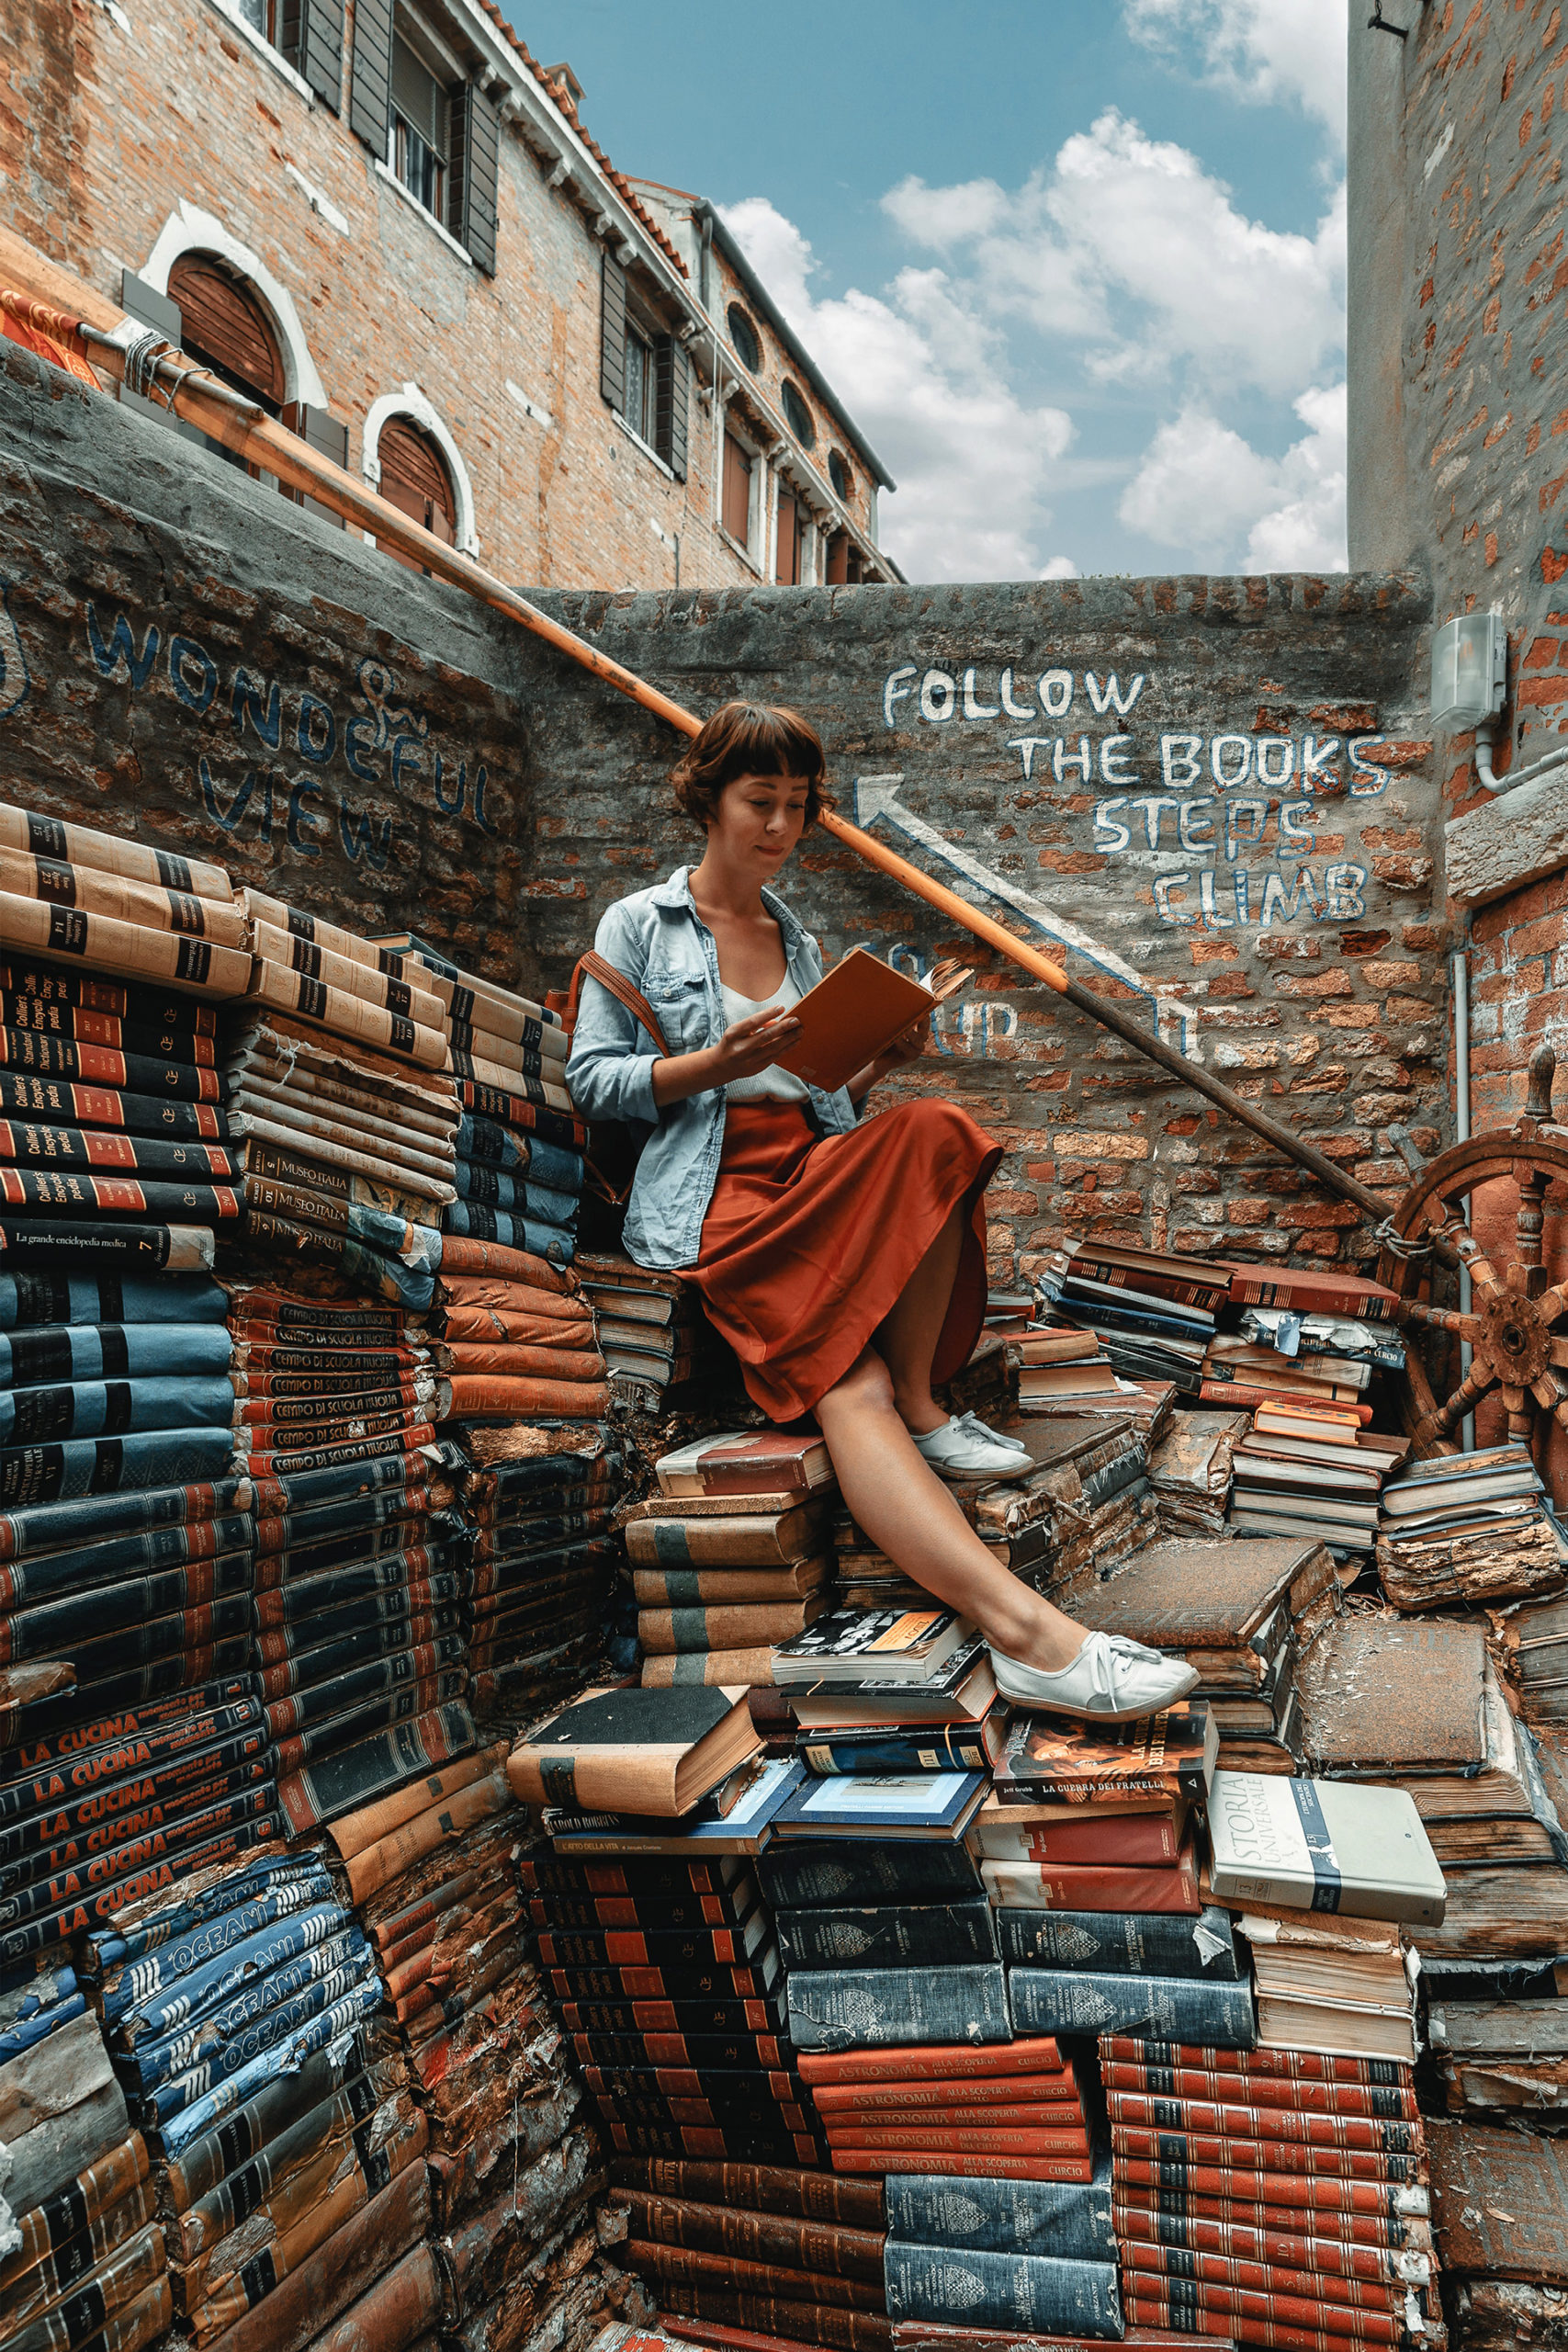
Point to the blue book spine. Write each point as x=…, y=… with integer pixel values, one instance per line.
x=99, y=1408
x=81, y=1466
x=498, y=1189
x=816, y=1874
x=480, y=1224
x=1122, y=1943
x=1168, y=2009
x=882, y=2009
x=1063, y=2217
x=948, y=1747
x=933, y=1934
x=1026, y=2292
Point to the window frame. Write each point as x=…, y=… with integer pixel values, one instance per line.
x=747, y=546
x=792, y=398
x=446, y=72
x=734, y=310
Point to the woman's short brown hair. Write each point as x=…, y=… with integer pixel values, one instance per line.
x=751, y=739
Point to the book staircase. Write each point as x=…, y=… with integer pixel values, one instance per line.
x=350, y=1998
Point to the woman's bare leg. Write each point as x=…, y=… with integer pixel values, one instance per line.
x=907, y=1339
x=909, y=1514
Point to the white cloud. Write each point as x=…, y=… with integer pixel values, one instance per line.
x=923, y=379
x=1267, y=53
x=1203, y=489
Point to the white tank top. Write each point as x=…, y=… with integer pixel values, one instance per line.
x=771, y=1084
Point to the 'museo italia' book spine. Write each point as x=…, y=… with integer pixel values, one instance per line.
x=758, y=2237
x=1274, y=2243
x=1029, y=2292
x=1047, y=2001
x=1069, y=2220
x=1390, y=2104
x=809, y=1876
x=1335, y=2197
x=759, y=2189
x=1134, y=1944
x=873, y=2008
x=1149, y=2143
x=937, y=1935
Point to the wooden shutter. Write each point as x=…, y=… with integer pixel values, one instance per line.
x=838, y=559
x=473, y=173
x=613, y=335
x=671, y=393
x=225, y=325
x=737, y=504
x=415, y=480
x=371, y=83
x=311, y=37
x=328, y=436
x=787, y=569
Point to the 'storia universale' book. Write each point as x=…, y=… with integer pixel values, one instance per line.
x=1327, y=1845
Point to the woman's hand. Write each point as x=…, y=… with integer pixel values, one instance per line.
x=749, y=1046
x=907, y=1046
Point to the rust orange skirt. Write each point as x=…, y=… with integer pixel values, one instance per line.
x=809, y=1239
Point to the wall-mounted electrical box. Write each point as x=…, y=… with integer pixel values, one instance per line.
x=1470, y=670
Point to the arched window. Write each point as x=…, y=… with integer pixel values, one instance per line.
x=414, y=479
x=798, y=416
x=743, y=336
x=225, y=326
x=839, y=474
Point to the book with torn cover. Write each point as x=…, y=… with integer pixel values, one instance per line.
x=747, y=1462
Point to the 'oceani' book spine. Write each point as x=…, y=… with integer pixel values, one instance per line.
x=1172, y=2009
x=1069, y=2218
x=880, y=2007
x=1128, y=1943
x=1023, y=2291
x=934, y=1934
x=813, y=1875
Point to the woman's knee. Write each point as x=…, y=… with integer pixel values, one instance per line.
x=867, y=1387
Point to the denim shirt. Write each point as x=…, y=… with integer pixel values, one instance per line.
x=658, y=939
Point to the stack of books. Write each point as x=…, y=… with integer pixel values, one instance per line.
x=1246, y=1374
x=791, y=2255
x=1415, y=1702
x=1057, y=1360
x=732, y=1556
x=653, y=1335
x=1501, y=2059
x=1468, y=1530
x=1153, y=1314
x=1531, y=1643
x=1243, y=1614
x=1015, y=2256
x=542, y=1563
x=1273, y=2195
x=1191, y=1471
x=1500, y=2207
x=82, y=2236
x=1299, y=1472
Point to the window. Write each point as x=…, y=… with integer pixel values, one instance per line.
x=644, y=374
x=639, y=408
x=839, y=474
x=743, y=336
x=736, y=507
x=798, y=416
x=843, y=570
x=414, y=479
x=308, y=33
x=417, y=142
x=791, y=539
x=224, y=326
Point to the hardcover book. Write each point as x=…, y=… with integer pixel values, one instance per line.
x=1070, y=2221
x=1329, y=1845
x=872, y=2009
x=850, y=1647
x=1166, y=1755
x=746, y=1462
x=1032, y=2293
x=636, y=1752
x=1126, y=1943
x=1084, y=1886
x=803, y=1875
x=1048, y=2001
x=922, y=1805
x=936, y=1935
x=855, y=1011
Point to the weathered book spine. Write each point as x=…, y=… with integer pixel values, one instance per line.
x=497, y=1086
x=349, y=974
x=297, y=1750
x=207, y=2161
x=966, y=2168
x=949, y=2061
x=726, y=2018
x=1320, y=2214
x=698, y=1587
x=338, y=2271
x=1285, y=2066
x=40, y=836
x=949, y=2136
x=1135, y=1944
x=677, y=1907
x=50, y=1576
x=1047, y=2001
x=1272, y=2243
x=1390, y=2103
x=198, y=2228
x=78, y=1151
x=790, y=2242
x=715, y=2142
x=1186, y=2155
x=1030, y=2292
x=760, y=2188
x=931, y=1936
x=38, y=1095
x=52, y=1905
x=74, y=2211
x=304, y=999
x=57, y=1628
x=51, y=995
x=400, y=2312
x=511, y=1109
x=32, y=2287
x=669, y=1631
x=827, y=1875
x=855, y=2008
x=679, y=2265
x=1039, y=2097
x=1332, y=2129
x=713, y=1981
x=1339, y=2309
x=776, y=2316
x=699, y=2052
x=1068, y=2220
x=1083, y=1887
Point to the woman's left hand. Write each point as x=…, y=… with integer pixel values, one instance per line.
x=907, y=1046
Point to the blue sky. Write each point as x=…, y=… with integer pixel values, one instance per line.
x=1076, y=270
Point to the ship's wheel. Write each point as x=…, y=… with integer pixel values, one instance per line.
x=1518, y=1323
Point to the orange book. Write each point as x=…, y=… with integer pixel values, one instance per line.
x=855, y=1011
x=1338, y=1428
x=1281, y=1405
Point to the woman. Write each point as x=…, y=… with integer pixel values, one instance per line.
x=844, y=1264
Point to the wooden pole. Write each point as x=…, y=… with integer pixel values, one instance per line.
x=261, y=441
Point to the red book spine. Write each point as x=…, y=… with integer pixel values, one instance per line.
x=1070, y=1886
x=1242, y=1398
x=992, y=2094
x=1162, y=2299
x=1336, y=2209
x=699, y=2110
x=943, y=2061
x=649, y=1983
x=1273, y=2244
x=1181, y=2151
x=622, y=1910
x=1271, y=2275
x=1292, y=2065
x=1391, y=2106
x=711, y=2142
x=670, y=2050
x=990, y=2140
x=853, y=2125
x=686, y=2082
x=1280, y=2123
x=960, y=2167
x=1144, y=1840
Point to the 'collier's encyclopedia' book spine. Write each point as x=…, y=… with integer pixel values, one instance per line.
x=1032, y=2293
x=1046, y=2001
x=869, y=2008
x=1134, y=1943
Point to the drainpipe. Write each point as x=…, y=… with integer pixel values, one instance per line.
x=1461, y=968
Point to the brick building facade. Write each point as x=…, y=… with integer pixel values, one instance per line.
x=386, y=220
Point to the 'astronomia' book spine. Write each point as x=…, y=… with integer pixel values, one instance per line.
x=1022, y=2291
x=1048, y=2001
x=869, y=2008
x=1131, y=1943
x=1066, y=2218
x=933, y=1936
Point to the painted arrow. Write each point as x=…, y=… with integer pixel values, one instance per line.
x=877, y=796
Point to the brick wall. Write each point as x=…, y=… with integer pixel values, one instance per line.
x=116, y=117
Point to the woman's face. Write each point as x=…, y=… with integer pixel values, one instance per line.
x=759, y=820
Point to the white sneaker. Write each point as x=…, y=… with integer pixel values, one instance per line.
x=1111, y=1677
x=978, y=1428
x=958, y=1449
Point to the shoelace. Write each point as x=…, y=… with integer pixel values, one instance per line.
x=973, y=1426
